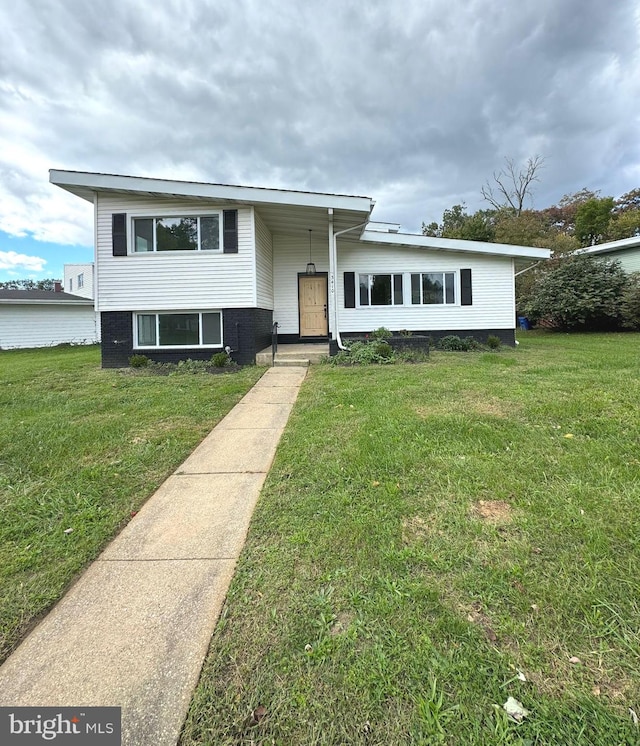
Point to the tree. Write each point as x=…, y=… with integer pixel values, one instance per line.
x=457, y=223
x=631, y=302
x=512, y=185
x=29, y=284
x=628, y=201
x=579, y=292
x=623, y=225
x=592, y=220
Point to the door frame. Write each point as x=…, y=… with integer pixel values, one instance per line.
x=324, y=338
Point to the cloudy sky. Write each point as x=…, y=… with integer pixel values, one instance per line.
x=412, y=102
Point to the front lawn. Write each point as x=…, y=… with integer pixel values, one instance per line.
x=80, y=449
x=434, y=539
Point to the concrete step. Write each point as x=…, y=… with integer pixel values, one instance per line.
x=290, y=362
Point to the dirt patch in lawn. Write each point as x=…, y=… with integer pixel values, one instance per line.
x=416, y=528
x=493, y=511
x=469, y=402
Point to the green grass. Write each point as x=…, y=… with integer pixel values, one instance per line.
x=81, y=448
x=375, y=603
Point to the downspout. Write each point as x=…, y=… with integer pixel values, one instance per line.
x=334, y=261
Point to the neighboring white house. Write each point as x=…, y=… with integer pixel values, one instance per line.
x=43, y=318
x=78, y=279
x=626, y=251
x=183, y=269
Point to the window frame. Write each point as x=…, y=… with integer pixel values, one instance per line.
x=177, y=215
x=80, y=281
x=369, y=275
x=456, y=288
x=158, y=346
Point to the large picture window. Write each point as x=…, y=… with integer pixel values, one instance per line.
x=193, y=329
x=433, y=288
x=380, y=290
x=177, y=234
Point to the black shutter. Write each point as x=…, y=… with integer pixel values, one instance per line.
x=230, y=231
x=349, y=289
x=119, y=233
x=466, y=296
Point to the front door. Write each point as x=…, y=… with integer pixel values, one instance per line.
x=312, y=298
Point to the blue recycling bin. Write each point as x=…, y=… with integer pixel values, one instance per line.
x=523, y=323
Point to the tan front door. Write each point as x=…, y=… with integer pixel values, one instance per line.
x=312, y=295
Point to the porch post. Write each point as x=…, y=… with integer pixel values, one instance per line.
x=333, y=279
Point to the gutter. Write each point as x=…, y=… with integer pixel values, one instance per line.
x=334, y=261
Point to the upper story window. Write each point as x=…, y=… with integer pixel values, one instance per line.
x=81, y=280
x=71, y=284
x=380, y=290
x=433, y=288
x=177, y=234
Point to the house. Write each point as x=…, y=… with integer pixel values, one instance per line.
x=626, y=251
x=78, y=279
x=183, y=269
x=43, y=318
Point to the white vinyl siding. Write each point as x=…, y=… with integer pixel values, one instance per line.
x=264, y=264
x=290, y=256
x=45, y=325
x=629, y=259
x=492, y=286
x=72, y=272
x=179, y=280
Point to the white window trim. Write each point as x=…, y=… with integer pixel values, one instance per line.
x=168, y=216
x=456, y=288
x=81, y=280
x=137, y=346
x=377, y=307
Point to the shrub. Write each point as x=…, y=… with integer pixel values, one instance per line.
x=364, y=353
x=220, y=359
x=412, y=355
x=405, y=333
x=381, y=334
x=630, y=305
x=581, y=292
x=139, y=361
x=493, y=342
x=453, y=343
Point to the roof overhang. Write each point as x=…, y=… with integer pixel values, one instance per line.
x=413, y=240
x=40, y=302
x=283, y=210
x=606, y=248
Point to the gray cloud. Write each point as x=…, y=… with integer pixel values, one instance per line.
x=412, y=103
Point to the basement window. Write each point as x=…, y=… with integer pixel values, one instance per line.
x=201, y=233
x=178, y=330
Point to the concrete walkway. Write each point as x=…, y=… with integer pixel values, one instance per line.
x=134, y=630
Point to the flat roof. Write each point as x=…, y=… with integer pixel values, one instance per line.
x=453, y=244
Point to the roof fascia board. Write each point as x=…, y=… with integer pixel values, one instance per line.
x=603, y=248
x=252, y=195
x=452, y=244
x=52, y=302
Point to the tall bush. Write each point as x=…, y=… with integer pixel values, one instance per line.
x=631, y=302
x=581, y=292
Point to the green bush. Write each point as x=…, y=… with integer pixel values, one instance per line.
x=139, y=361
x=493, y=342
x=581, y=293
x=453, y=343
x=381, y=334
x=220, y=359
x=364, y=353
x=630, y=305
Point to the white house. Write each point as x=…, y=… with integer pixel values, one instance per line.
x=626, y=251
x=183, y=269
x=43, y=318
x=78, y=279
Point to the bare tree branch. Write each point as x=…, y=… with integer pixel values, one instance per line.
x=513, y=185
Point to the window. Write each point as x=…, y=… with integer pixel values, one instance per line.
x=80, y=280
x=433, y=288
x=380, y=290
x=192, y=329
x=177, y=234
x=71, y=284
